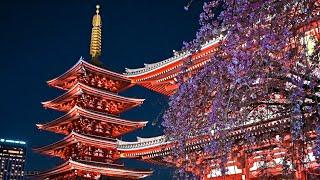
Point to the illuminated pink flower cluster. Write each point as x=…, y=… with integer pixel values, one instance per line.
x=261, y=71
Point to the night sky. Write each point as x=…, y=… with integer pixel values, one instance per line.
x=40, y=40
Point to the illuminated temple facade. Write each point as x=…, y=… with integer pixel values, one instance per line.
x=161, y=77
x=91, y=122
x=92, y=125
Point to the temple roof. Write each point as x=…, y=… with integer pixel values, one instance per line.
x=82, y=67
x=142, y=143
x=177, y=57
x=143, y=140
x=257, y=128
x=105, y=169
x=161, y=77
x=310, y=28
x=77, y=112
x=73, y=138
x=79, y=89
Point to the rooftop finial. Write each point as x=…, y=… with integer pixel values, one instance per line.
x=97, y=7
x=95, y=46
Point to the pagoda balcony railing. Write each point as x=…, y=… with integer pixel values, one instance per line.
x=104, y=113
x=106, y=165
x=101, y=137
x=102, y=164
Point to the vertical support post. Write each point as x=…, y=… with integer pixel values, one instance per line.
x=245, y=165
x=298, y=156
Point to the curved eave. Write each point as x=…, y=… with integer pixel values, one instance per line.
x=162, y=64
x=160, y=88
x=141, y=140
x=146, y=148
x=146, y=72
x=80, y=88
x=75, y=90
x=142, y=143
x=165, y=82
x=137, y=145
x=149, y=68
x=107, y=171
x=78, y=111
x=82, y=65
x=74, y=138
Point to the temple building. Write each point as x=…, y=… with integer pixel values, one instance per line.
x=92, y=122
x=92, y=126
x=161, y=76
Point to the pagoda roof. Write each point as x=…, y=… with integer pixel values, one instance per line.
x=81, y=67
x=73, y=138
x=77, y=112
x=110, y=170
x=80, y=88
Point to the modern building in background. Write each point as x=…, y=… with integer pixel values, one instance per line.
x=12, y=159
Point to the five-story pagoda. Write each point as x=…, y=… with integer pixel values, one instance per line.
x=91, y=123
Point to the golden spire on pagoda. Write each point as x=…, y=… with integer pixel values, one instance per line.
x=95, y=46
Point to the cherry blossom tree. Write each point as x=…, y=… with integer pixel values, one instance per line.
x=266, y=68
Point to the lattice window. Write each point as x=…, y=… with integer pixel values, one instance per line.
x=87, y=151
x=99, y=128
x=89, y=126
x=98, y=152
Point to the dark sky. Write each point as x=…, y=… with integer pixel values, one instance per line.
x=42, y=39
